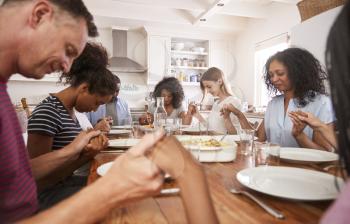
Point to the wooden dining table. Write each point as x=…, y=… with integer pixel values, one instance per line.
x=230, y=208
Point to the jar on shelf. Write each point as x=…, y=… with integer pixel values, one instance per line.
x=196, y=63
x=178, y=62
x=184, y=62
x=180, y=76
x=193, y=78
x=190, y=63
x=202, y=63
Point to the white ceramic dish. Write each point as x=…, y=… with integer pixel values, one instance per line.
x=123, y=143
x=290, y=183
x=226, y=153
x=178, y=46
x=307, y=155
x=119, y=132
x=198, y=49
x=102, y=169
x=194, y=130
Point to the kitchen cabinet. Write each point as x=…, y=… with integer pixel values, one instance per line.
x=189, y=59
x=185, y=59
x=222, y=57
x=158, y=58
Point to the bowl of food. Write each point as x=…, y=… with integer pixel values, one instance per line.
x=178, y=46
x=198, y=49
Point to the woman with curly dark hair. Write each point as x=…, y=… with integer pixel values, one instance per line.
x=53, y=124
x=296, y=77
x=172, y=91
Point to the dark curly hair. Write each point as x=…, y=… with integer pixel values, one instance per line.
x=90, y=68
x=338, y=65
x=304, y=72
x=75, y=8
x=172, y=85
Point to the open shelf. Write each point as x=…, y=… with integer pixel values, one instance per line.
x=189, y=52
x=188, y=67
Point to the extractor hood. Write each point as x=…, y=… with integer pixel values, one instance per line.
x=120, y=62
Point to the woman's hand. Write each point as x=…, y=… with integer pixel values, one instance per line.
x=104, y=124
x=95, y=145
x=298, y=125
x=230, y=108
x=225, y=112
x=146, y=119
x=308, y=118
x=192, y=108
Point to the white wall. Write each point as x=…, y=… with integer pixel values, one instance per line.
x=280, y=20
x=312, y=34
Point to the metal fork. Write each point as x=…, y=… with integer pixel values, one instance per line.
x=222, y=138
x=267, y=208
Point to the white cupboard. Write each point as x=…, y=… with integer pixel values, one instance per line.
x=158, y=58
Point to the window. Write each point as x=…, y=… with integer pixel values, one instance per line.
x=263, y=50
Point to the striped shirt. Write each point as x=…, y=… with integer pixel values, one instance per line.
x=51, y=118
x=18, y=198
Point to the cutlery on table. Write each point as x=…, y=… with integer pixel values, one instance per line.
x=222, y=138
x=267, y=208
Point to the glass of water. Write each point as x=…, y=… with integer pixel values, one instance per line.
x=247, y=137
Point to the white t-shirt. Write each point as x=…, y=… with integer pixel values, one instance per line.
x=216, y=121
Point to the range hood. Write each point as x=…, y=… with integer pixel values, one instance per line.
x=120, y=62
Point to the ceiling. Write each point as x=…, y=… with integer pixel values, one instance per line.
x=220, y=15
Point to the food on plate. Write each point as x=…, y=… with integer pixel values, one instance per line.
x=208, y=143
x=148, y=126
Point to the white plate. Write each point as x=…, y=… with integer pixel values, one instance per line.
x=307, y=155
x=119, y=132
x=194, y=129
x=121, y=126
x=290, y=183
x=123, y=143
x=102, y=169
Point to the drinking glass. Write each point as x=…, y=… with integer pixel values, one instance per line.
x=137, y=132
x=247, y=138
x=274, y=154
x=261, y=153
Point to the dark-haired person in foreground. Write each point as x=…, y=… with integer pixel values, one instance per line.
x=53, y=124
x=338, y=64
x=38, y=37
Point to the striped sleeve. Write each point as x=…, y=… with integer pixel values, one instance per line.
x=45, y=119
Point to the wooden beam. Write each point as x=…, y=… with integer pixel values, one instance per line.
x=215, y=7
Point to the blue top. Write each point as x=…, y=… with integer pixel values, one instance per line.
x=278, y=127
x=123, y=112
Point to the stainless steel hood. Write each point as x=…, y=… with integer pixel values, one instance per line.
x=120, y=62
